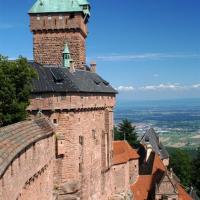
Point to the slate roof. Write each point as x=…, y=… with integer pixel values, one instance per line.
x=15, y=138
x=152, y=137
x=58, y=79
x=123, y=152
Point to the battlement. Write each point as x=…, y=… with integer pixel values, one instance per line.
x=58, y=22
x=70, y=102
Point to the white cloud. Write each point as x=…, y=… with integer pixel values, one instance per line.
x=196, y=86
x=163, y=86
x=147, y=56
x=159, y=87
x=125, y=88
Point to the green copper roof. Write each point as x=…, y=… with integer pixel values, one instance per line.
x=66, y=49
x=83, y=2
x=56, y=6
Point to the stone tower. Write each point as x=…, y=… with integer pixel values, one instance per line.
x=55, y=23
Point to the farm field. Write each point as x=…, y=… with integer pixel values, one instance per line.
x=177, y=121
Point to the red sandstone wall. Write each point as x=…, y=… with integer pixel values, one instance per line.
x=133, y=171
x=70, y=101
x=121, y=178
x=81, y=121
x=82, y=162
x=50, y=33
x=30, y=176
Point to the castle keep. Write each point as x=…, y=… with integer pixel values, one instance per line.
x=55, y=23
x=65, y=151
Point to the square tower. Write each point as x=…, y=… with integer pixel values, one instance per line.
x=55, y=23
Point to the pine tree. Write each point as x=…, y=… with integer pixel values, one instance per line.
x=126, y=131
x=196, y=172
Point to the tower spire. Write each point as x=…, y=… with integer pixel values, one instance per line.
x=66, y=56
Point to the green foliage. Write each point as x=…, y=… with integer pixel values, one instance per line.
x=126, y=131
x=15, y=87
x=196, y=172
x=180, y=162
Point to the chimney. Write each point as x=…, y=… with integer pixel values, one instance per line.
x=93, y=66
x=148, y=151
x=171, y=173
x=72, y=68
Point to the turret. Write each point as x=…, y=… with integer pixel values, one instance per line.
x=66, y=57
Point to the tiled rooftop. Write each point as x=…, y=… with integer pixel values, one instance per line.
x=15, y=138
x=123, y=152
x=153, y=138
x=143, y=187
x=60, y=79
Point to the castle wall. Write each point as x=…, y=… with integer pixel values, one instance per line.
x=51, y=32
x=52, y=102
x=84, y=130
x=133, y=170
x=121, y=178
x=30, y=174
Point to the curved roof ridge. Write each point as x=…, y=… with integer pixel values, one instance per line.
x=17, y=137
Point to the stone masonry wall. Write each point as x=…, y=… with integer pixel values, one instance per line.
x=51, y=32
x=54, y=102
x=83, y=123
x=133, y=171
x=121, y=178
x=31, y=174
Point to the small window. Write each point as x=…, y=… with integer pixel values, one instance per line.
x=85, y=7
x=38, y=17
x=11, y=168
x=49, y=17
x=60, y=17
x=80, y=167
x=19, y=161
x=38, y=97
x=94, y=134
x=44, y=23
x=81, y=140
x=72, y=16
x=55, y=121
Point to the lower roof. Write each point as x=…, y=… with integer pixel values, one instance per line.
x=52, y=79
x=123, y=152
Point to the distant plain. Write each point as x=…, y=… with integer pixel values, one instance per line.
x=176, y=121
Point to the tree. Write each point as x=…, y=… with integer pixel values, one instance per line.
x=126, y=131
x=180, y=162
x=15, y=87
x=196, y=172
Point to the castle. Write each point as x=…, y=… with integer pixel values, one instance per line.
x=66, y=150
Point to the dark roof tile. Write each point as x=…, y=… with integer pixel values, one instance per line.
x=59, y=79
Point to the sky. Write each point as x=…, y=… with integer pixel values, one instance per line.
x=147, y=49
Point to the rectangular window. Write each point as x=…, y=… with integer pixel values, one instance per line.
x=81, y=140
x=80, y=167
